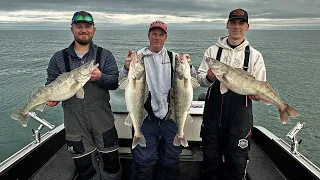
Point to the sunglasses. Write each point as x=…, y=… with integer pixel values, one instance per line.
x=80, y=17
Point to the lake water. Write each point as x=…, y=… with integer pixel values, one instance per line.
x=291, y=58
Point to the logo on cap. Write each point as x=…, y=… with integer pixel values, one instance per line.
x=238, y=12
x=159, y=24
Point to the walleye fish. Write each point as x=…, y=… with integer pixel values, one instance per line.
x=136, y=94
x=241, y=82
x=62, y=88
x=181, y=96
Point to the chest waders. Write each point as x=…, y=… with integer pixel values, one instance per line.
x=159, y=135
x=89, y=125
x=226, y=131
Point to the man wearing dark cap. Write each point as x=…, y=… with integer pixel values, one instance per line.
x=227, y=117
x=89, y=122
x=158, y=133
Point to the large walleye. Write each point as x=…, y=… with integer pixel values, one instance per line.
x=62, y=88
x=136, y=94
x=241, y=82
x=181, y=96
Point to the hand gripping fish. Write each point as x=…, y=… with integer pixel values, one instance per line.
x=62, y=88
x=243, y=83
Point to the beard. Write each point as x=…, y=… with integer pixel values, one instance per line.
x=83, y=41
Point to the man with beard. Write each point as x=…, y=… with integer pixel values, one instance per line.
x=89, y=122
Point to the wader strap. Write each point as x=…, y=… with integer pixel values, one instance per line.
x=98, y=57
x=246, y=58
x=171, y=60
x=172, y=76
x=172, y=71
x=219, y=54
x=66, y=58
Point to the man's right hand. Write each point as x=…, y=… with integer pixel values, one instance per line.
x=211, y=75
x=52, y=103
x=128, y=60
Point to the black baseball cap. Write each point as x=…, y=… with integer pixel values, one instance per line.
x=82, y=16
x=238, y=14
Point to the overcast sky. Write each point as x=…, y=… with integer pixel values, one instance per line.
x=178, y=14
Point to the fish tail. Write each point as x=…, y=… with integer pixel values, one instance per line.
x=287, y=112
x=20, y=116
x=141, y=140
x=177, y=141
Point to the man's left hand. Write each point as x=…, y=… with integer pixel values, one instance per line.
x=95, y=75
x=254, y=97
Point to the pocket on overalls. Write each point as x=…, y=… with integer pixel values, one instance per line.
x=74, y=144
x=240, y=138
x=110, y=137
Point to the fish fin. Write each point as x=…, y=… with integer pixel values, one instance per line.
x=291, y=111
x=223, y=88
x=287, y=112
x=123, y=84
x=19, y=116
x=144, y=114
x=146, y=93
x=128, y=120
x=33, y=91
x=177, y=141
x=141, y=140
x=189, y=118
x=172, y=115
x=170, y=112
x=284, y=116
x=169, y=115
x=80, y=93
x=194, y=82
x=265, y=101
x=269, y=85
x=244, y=72
x=41, y=107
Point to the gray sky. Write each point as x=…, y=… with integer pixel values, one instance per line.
x=178, y=14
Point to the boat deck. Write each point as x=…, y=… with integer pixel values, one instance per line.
x=270, y=157
x=61, y=166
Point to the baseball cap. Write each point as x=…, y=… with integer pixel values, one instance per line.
x=82, y=16
x=159, y=24
x=238, y=14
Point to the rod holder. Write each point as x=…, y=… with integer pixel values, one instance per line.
x=37, y=132
x=293, y=136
